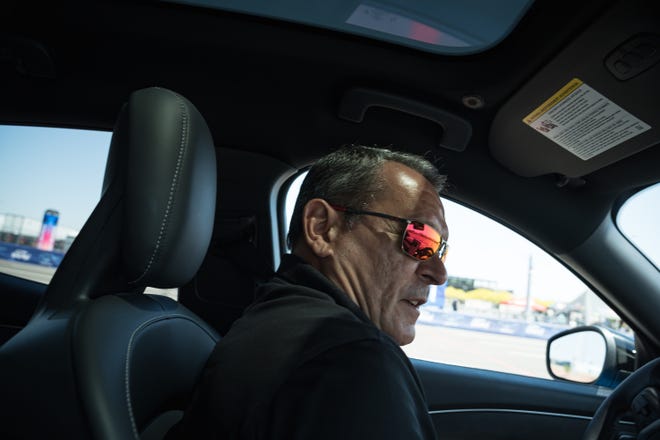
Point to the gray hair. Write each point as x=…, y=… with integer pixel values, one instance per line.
x=351, y=177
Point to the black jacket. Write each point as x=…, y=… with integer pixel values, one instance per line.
x=304, y=362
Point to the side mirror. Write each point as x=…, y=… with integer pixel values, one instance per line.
x=590, y=354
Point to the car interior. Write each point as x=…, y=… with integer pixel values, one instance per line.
x=215, y=110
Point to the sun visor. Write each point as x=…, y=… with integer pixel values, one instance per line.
x=595, y=104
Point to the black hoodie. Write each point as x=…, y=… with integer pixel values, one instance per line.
x=304, y=362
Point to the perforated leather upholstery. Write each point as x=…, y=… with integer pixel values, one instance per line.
x=99, y=358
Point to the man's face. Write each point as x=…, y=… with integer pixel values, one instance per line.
x=388, y=285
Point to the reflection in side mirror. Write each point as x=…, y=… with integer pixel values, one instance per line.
x=578, y=357
x=591, y=354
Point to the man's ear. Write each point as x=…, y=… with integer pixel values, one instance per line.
x=320, y=226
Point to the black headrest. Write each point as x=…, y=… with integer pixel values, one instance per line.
x=153, y=224
x=170, y=189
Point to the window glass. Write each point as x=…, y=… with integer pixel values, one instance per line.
x=639, y=218
x=290, y=202
x=50, y=181
x=504, y=298
x=440, y=26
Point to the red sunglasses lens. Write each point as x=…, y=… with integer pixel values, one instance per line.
x=421, y=241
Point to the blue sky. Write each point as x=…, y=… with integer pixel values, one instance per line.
x=49, y=168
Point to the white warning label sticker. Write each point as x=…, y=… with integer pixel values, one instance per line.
x=583, y=121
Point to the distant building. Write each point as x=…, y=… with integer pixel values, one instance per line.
x=468, y=284
x=18, y=229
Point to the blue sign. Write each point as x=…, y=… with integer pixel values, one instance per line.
x=434, y=316
x=27, y=254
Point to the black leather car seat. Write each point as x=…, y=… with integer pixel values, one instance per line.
x=99, y=358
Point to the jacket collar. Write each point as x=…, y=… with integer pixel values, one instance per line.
x=295, y=270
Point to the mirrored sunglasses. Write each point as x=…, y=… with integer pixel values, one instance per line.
x=419, y=240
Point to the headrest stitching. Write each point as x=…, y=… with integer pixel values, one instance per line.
x=161, y=232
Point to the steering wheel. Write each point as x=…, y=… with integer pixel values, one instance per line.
x=638, y=394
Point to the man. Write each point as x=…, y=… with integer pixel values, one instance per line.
x=317, y=355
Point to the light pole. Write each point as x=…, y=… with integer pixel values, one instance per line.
x=528, y=303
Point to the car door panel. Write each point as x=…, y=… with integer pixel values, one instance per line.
x=19, y=300
x=474, y=403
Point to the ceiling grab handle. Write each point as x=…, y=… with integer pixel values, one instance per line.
x=356, y=102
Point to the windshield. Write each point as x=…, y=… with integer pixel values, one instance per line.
x=638, y=220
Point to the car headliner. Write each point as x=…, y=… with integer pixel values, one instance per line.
x=275, y=88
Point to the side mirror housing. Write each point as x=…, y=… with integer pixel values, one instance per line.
x=591, y=355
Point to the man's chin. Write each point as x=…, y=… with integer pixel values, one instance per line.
x=406, y=337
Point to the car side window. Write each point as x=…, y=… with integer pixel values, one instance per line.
x=50, y=181
x=504, y=298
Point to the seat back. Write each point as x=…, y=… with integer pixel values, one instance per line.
x=234, y=262
x=99, y=358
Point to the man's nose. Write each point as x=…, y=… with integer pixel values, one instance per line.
x=432, y=271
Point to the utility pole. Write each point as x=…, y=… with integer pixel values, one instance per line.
x=528, y=303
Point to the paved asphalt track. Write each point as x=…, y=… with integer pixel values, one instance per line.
x=491, y=351
x=29, y=271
